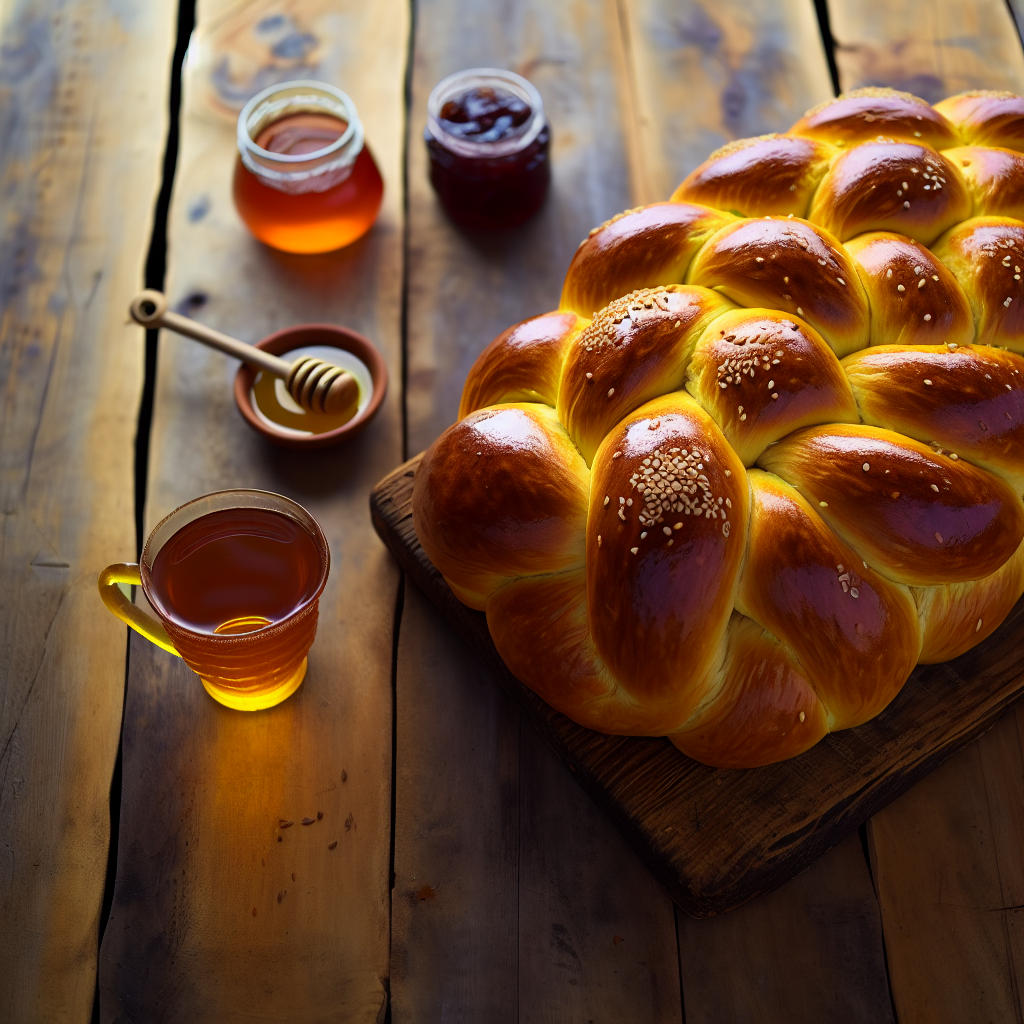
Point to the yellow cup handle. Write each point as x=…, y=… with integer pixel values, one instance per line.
x=114, y=599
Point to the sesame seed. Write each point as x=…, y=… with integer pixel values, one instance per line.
x=728, y=472
x=611, y=391
x=606, y=499
x=771, y=384
x=743, y=417
x=900, y=288
x=865, y=564
x=823, y=504
x=622, y=501
x=759, y=259
x=589, y=375
x=822, y=263
x=920, y=284
x=841, y=281
x=633, y=551
x=935, y=277
x=678, y=526
x=927, y=316
x=917, y=135
x=906, y=204
x=599, y=540
x=1007, y=302
x=927, y=381
x=802, y=716
x=888, y=273
x=938, y=536
x=866, y=466
x=799, y=310
x=905, y=185
x=616, y=455
x=935, y=488
x=978, y=626
x=853, y=592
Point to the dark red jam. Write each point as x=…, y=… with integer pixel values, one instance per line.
x=488, y=162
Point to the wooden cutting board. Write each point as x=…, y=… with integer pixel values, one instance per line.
x=714, y=837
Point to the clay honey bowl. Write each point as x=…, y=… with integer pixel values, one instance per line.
x=284, y=341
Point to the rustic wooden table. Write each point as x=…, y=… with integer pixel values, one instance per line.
x=472, y=879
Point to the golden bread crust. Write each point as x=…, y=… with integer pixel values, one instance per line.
x=502, y=494
x=891, y=186
x=915, y=515
x=637, y=249
x=523, y=364
x=763, y=709
x=637, y=348
x=762, y=375
x=968, y=401
x=665, y=538
x=914, y=299
x=787, y=264
x=984, y=117
x=853, y=631
x=595, y=499
x=773, y=174
x=994, y=178
x=863, y=114
x=986, y=256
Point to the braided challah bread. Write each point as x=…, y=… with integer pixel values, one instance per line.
x=768, y=455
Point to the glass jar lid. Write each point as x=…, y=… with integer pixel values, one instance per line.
x=472, y=78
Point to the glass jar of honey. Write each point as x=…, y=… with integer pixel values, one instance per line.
x=305, y=181
x=488, y=142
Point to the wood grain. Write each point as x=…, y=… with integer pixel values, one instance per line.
x=76, y=81
x=949, y=869
x=709, y=71
x=932, y=50
x=513, y=925
x=757, y=964
x=219, y=915
x=717, y=838
x=949, y=855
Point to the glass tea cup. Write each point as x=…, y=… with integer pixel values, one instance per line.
x=235, y=578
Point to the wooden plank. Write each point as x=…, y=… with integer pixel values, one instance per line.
x=932, y=50
x=949, y=869
x=716, y=838
x=456, y=891
x=214, y=918
x=756, y=964
x=517, y=928
x=707, y=72
x=948, y=854
x=83, y=97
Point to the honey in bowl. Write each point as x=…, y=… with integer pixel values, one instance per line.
x=276, y=407
x=305, y=182
x=248, y=574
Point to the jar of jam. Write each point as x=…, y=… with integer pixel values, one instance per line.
x=305, y=181
x=488, y=142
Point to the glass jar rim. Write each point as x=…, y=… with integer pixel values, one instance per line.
x=297, y=96
x=220, y=501
x=461, y=80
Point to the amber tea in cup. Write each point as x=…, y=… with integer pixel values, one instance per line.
x=235, y=578
x=305, y=181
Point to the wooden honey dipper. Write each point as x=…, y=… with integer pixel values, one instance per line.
x=317, y=386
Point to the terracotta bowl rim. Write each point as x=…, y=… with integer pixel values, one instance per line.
x=289, y=338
